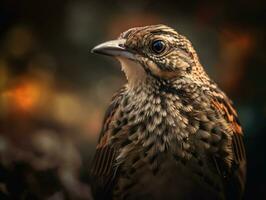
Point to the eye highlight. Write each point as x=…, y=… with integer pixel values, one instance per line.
x=158, y=46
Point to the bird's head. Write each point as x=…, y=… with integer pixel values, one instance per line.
x=153, y=51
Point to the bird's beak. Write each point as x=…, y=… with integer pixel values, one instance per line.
x=113, y=48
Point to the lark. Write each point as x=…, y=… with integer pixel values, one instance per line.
x=169, y=132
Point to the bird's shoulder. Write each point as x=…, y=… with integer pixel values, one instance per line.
x=232, y=170
x=103, y=169
x=110, y=112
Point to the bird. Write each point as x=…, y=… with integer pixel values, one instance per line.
x=170, y=132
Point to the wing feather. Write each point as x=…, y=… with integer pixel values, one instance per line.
x=233, y=174
x=103, y=170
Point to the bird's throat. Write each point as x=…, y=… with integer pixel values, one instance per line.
x=134, y=72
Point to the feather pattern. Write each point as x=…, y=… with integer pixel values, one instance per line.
x=170, y=132
x=103, y=168
x=234, y=177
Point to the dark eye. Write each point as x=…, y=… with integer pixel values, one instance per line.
x=158, y=46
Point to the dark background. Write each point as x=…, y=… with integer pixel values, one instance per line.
x=53, y=91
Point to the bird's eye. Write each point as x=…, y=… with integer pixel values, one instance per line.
x=158, y=46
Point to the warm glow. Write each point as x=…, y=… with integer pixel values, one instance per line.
x=24, y=96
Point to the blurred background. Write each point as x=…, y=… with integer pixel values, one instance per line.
x=53, y=91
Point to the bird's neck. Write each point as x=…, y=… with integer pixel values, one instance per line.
x=134, y=72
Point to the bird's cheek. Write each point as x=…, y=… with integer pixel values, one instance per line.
x=182, y=65
x=159, y=72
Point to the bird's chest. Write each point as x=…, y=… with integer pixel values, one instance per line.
x=159, y=152
x=152, y=123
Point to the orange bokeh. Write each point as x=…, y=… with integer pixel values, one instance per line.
x=24, y=96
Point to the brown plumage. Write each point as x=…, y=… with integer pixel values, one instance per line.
x=170, y=132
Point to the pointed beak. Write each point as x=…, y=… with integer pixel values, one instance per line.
x=113, y=48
